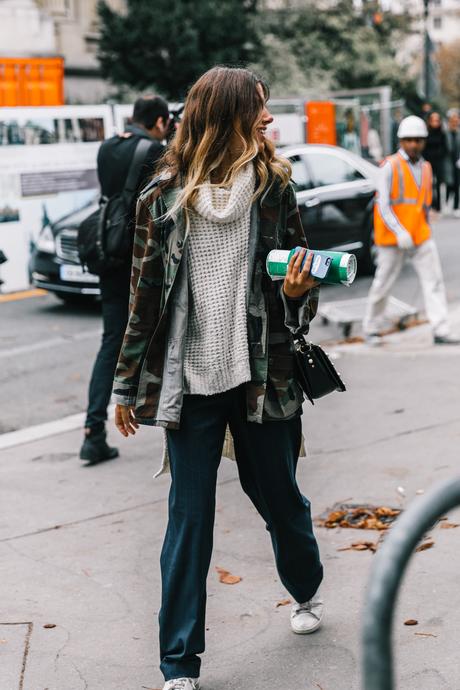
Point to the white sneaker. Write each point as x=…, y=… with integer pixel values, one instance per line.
x=373, y=339
x=182, y=684
x=306, y=618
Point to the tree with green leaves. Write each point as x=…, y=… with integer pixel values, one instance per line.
x=335, y=46
x=167, y=44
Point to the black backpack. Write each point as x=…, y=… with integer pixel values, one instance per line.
x=105, y=238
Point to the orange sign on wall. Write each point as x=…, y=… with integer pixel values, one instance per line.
x=31, y=81
x=320, y=123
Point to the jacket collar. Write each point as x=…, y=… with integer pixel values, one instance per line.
x=138, y=131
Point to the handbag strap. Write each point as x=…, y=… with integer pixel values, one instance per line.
x=140, y=153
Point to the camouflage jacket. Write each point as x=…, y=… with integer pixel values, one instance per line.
x=149, y=373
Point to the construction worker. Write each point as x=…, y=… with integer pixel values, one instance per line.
x=402, y=230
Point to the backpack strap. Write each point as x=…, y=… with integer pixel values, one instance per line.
x=140, y=153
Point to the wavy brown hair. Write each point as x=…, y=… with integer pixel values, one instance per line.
x=221, y=115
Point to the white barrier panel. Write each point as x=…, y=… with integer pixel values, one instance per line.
x=47, y=170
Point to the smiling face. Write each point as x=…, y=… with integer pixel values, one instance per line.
x=265, y=118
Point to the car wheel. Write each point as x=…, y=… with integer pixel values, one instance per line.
x=367, y=259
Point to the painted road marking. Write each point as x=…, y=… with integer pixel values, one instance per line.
x=41, y=431
x=23, y=294
x=52, y=342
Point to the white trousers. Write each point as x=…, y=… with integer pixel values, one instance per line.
x=390, y=260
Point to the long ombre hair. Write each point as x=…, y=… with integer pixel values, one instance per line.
x=222, y=109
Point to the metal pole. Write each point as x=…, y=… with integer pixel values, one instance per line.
x=426, y=50
x=386, y=575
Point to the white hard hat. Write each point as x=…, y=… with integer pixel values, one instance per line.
x=412, y=127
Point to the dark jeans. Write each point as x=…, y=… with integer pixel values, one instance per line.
x=438, y=179
x=115, y=306
x=267, y=460
x=454, y=189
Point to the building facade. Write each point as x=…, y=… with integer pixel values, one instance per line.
x=40, y=28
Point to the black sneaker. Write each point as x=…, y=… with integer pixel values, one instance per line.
x=446, y=340
x=96, y=449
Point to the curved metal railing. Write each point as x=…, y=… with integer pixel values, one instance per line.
x=388, y=569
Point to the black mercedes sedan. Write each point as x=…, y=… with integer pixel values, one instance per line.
x=54, y=264
x=335, y=192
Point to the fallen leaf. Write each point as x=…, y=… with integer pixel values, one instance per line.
x=411, y=621
x=388, y=512
x=49, y=625
x=419, y=492
x=3, y=642
x=358, y=517
x=227, y=578
x=284, y=602
x=360, y=546
x=449, y=525
x=426, y=545
x=425, y=634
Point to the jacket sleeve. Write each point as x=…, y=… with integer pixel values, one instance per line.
x=298, y=312
x=145, y=302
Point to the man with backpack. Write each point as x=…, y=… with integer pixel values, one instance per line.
x=125, y=164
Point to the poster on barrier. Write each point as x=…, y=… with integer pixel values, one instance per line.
x=47, y=171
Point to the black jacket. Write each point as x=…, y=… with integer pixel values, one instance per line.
x=113, y=161
x=436, y=147
x=115, y=156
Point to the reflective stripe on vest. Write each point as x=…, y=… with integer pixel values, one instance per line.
x=409, y=203
x=425, y=184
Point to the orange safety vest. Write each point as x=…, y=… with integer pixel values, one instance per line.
x=409, y=203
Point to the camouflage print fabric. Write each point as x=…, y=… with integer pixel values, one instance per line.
x=150, y=357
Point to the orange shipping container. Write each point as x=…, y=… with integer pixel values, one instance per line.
x=31, y=81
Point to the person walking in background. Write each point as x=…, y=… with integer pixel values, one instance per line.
x=452, y=171
x=402, y=231
x=435, y=153
x=208, y=345
x=150, y=122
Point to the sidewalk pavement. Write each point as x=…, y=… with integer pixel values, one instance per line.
x=79, y=547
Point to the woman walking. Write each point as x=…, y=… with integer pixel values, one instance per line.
x=208, y=346
x=435, y=153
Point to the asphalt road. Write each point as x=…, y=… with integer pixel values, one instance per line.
x=47, y=349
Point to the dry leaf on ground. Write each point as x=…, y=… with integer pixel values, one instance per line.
x=49, y=625
x=419, y=634
x=284, y=602
x=449, y=525
x=411, y=621
x=426, y=545
x=227, y=578
x=358, y=516
x=360, y=546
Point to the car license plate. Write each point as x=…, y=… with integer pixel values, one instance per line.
x=76, y=274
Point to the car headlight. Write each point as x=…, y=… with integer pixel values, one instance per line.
x=45, y=241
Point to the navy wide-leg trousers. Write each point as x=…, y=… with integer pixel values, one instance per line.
x=267, y=456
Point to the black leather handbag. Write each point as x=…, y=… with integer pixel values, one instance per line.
x=315, y=372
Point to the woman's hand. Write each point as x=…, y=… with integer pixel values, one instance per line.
x=298, y=280
x=125, y=420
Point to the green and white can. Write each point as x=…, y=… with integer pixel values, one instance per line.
x=342, y=265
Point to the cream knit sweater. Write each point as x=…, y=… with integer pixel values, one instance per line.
x=216, y=345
